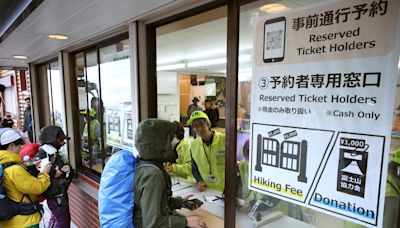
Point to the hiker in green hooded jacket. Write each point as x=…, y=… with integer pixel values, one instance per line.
x=208, y=153
x=154, y=204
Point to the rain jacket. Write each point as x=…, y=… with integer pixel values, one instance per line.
x=392, y=201
x=94, y=130
x=18, y=182
x=248, y=195
x=154, y=206
x=183, y=165
x=391, y=210
x=209, y=160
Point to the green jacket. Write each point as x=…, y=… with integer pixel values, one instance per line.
x=391, y=209
x=183, y=165
x=210, y=160
x=392, y=201
x=154, y=206
x=94, y=130
x=248, y=195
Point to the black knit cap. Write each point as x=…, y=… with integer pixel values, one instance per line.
x=50, y=134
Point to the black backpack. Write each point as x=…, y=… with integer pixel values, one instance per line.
x=10, y=208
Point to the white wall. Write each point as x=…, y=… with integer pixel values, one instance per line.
x=168, y=95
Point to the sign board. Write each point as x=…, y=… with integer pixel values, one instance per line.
x=119, y=129
x=323, y=91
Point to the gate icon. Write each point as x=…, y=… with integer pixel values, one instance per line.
x=289, y=155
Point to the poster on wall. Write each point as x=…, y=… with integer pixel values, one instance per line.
x=323, y=92
x=119, y=129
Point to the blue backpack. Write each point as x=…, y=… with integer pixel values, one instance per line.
x=116, y=199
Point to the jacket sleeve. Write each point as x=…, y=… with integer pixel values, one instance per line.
x=150, y=201
x=391, y=212
x=28, y=184
x=176, y=202
x=184, y=166
x=195, y=171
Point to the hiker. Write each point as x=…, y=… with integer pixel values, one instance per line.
x=18, y=183
x=154, y=204
x=52, y=138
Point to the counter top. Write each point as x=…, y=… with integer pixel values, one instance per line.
x=185, y=188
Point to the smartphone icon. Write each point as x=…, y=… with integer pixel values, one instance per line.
x=274, y=40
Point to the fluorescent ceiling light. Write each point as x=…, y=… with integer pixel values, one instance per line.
x=206, y=62
x=171, y=67
x=58, y=37
x=273, y=8
x=20, y=56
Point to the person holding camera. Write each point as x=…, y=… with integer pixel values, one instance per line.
x=52, y=138
x=19, y=184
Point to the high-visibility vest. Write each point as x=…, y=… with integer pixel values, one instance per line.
x=392, y=188
x=210, y=160
x=93, y=124
x=183, y=165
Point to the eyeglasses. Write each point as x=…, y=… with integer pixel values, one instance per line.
x=203, y=125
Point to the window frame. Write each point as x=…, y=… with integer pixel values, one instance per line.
x=233, y=11
x=91, y=173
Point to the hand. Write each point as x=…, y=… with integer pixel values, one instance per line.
x=195, y=222
x=245, y=208
x=47, y=168
x=58, y=173
x=37, y=164
x=65, y=169
x=169, y=168
x=201, y=186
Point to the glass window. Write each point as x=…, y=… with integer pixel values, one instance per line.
x=292, y=215
x=191, y=76
x=104, y=103
x=56, y=97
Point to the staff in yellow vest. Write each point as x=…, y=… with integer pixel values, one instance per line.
x=91, y=131
x=392, y=196
x=183, y=165
x=208, y=153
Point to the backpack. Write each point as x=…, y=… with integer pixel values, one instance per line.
x=116, y=199
x=10, y=208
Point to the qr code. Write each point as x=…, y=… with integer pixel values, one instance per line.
x=274, y=40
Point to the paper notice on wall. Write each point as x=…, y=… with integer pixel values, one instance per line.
x=119, y=129
x=323, y=92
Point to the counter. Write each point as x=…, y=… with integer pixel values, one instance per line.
x=184, y=188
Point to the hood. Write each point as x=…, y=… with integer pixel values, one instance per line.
x=6, y=156
x=153, y=140
x=50, y=134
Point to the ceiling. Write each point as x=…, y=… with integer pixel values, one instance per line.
x=200, y=37
x=195, y=39
x=84, y=21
